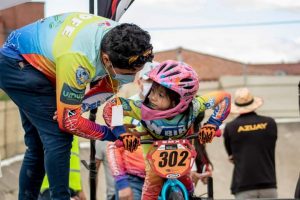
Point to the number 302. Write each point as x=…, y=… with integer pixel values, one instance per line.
x=171, y=158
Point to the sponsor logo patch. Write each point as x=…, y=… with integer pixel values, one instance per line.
x=252, y=127
x=138, y=103
x=71, y=95
x=105, y=24
x=82, y=75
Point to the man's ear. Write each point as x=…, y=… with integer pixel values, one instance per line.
x=105, y=59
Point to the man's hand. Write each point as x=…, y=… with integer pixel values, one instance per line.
x=130, y=142
x=207, y=133
x=80, y=196
x=126, y=194
x=202, y=176
x=55, y=116
x=230, y=158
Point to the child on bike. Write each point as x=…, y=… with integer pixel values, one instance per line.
x=168, y=111
x=128, y=168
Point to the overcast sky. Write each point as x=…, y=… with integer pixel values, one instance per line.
x=166, y=21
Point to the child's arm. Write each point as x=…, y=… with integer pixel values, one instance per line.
x=220, y=101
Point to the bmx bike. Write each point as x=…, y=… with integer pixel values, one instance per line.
x=172, y=159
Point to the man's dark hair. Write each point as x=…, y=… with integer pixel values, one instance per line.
x=124, y=41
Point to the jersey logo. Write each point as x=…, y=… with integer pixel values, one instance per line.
x=57, y=21
x=138, y=103
x=210, y=103
x=252, y=127
x=95, y=101
x=105, y=24
x=167, y=131
x=12, y=41
x=82, y=75
x=71, y=95
x=125, y=105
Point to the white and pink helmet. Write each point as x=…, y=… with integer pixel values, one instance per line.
x=176, y=76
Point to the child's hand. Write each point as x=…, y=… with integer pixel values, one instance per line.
x=207, y=133
x=130, y=142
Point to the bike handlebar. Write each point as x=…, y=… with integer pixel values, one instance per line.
x=150, y=141
x=193, y=136
x=119, y=143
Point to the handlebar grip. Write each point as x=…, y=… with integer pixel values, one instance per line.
x=218, y=133
x=119, y=143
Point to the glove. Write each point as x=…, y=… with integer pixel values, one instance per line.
x=207, y=132
x=130, y=142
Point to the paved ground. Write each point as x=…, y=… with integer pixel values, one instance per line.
x=287, y=161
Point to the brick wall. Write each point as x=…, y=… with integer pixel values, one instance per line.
x=18, y=16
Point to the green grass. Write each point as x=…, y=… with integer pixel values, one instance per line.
x=3, y=96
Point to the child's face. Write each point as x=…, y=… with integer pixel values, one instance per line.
x=158, y=98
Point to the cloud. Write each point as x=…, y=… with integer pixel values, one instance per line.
x=245, y=44
x=53, y=7
x=249, y=46
x=292, y=5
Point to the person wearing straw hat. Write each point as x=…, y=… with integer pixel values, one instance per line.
x=250, y=141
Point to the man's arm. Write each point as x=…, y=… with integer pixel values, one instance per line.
x=99, y=94
x=74, y=72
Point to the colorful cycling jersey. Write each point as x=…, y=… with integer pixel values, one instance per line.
x=179, y=125
x=66, y=49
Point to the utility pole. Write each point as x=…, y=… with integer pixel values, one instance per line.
x=92, y=117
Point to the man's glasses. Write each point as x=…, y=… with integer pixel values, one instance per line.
x=141, y=58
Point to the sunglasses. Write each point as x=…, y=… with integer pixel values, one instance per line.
x=142, y=57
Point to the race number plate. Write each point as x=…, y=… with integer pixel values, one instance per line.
x=171, y=158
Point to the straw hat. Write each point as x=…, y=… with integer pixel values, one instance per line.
x=245, y=102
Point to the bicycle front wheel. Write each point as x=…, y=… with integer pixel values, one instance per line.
x=175, y=193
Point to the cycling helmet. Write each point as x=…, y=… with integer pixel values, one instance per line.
x=176, y=76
